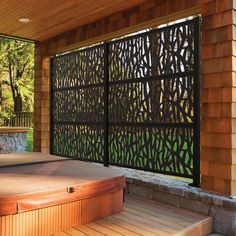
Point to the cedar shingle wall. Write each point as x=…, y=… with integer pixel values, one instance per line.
x=218, y=97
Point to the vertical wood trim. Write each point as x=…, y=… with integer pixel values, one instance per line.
x=50, y=220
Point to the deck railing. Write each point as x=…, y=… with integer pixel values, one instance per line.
x=20, y=119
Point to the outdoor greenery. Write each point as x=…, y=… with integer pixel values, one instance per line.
x=16, y=77
x=29, y=146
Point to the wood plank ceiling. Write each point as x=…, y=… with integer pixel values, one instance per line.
x=51, y=17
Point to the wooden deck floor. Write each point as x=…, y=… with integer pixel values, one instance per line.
x=142, y=217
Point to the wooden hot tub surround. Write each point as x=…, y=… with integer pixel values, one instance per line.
x=54, y=193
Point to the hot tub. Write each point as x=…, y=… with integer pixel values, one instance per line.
x=44, y=194
x=13, y=139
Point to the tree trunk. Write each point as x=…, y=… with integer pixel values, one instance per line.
x=18, y=103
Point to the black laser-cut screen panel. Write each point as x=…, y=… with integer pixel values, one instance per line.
x=163, y=150
x=151, y=100
x=84, y=142
x=78, y=104
x=165, y=51
x=139, y=95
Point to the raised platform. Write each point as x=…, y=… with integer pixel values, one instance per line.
x=43, y=194
x=177, y=192
x=147, y=218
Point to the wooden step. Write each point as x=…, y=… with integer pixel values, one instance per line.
x=143, y=217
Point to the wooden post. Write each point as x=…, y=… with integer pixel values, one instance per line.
x=41, y=101
x=218, y=133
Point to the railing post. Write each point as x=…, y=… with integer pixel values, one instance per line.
x=51, y=106
x=196, y=135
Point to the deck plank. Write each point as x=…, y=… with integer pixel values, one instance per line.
x=182, y=221
x=133, y=227
x=165, y=210
x=163, y=226
x=156, y=219
x=75, y=232
x=103, y=229
x=61, y=234
x=117, y=228
x=87, y=230
x=149, y=227
x=146, y=218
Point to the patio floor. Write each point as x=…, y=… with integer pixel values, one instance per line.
x=143, y=217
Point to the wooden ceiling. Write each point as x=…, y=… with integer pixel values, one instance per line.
x=52, y=17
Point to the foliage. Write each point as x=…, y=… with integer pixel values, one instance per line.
x=29, y=147
x=16, y=76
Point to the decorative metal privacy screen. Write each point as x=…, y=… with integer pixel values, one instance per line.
x=132, y=102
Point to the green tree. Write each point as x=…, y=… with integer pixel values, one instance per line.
x=1, y=70
x=17, y=61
